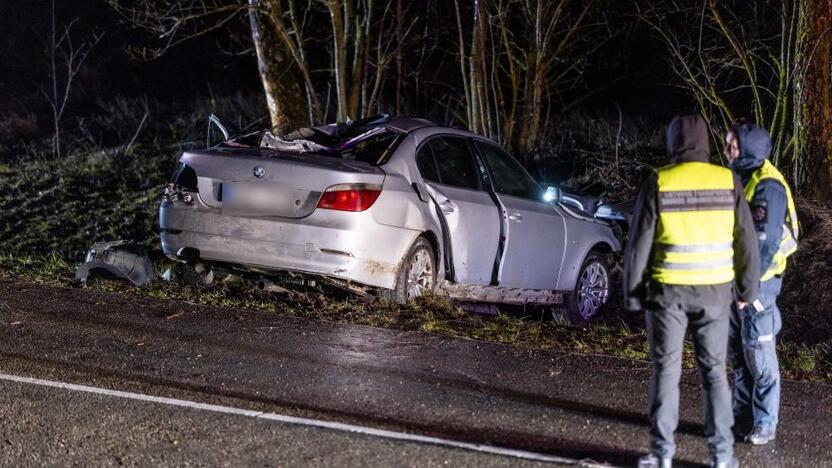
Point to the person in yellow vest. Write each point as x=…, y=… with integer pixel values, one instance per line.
x=691, y=244
x=752, y=343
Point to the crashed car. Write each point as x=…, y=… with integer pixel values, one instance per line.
x=399, y=206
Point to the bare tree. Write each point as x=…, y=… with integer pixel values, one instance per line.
x=523, y=60
x=66, y=57
x=766, y=60
x=173, y=22
x=737, y=52
x=278, y=69
x=286, y=50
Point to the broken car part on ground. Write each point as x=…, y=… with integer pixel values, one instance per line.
x=121, y=259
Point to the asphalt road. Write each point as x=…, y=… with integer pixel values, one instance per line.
x=55, y=427
x=560, y=404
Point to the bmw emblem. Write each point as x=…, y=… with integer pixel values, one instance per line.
x=259, y=172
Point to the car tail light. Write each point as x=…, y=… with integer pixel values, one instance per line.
x=349, y=197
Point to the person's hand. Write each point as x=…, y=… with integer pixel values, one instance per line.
x=741, y=305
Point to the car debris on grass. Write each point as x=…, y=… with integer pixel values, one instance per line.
x=121, y=259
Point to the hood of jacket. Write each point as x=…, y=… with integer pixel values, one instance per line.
x=688, y=139
x=755, y=147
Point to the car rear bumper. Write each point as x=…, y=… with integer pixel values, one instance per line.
x=348, y=246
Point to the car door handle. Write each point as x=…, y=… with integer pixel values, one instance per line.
x=447, y=207
x=516, y=217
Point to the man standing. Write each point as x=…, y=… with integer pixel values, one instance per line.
x=752, y=342
x=691, y=240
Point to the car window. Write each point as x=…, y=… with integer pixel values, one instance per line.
x=509, y=178
x=426, y=164
x=455, y=163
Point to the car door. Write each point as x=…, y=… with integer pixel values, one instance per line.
x=535, y=229
x=470, y=216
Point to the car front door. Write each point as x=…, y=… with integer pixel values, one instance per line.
x=470, y=217
x=535, y=229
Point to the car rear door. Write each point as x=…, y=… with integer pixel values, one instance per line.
x=469, y=215
x=535, y=229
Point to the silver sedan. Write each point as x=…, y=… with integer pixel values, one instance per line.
x=397, y=206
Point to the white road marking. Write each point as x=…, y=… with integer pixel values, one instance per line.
x=335, y=426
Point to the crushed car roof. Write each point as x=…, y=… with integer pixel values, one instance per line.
x=400, y=124
x=408, y=124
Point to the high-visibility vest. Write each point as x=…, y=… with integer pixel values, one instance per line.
x=694, y=240
x=788, y=240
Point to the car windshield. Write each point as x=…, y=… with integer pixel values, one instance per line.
x=366, y=141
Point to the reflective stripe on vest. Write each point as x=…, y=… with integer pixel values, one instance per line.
x=791, y=230
x=694, y=237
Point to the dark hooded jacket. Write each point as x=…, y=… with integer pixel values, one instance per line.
x=687, y=141
x=769, y=204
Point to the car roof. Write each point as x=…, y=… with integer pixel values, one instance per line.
x=411, y=124
x=408, y=124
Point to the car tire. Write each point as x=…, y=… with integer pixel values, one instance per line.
x=416, y=275
x=591, y=292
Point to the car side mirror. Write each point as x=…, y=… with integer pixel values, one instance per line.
x=552, y=194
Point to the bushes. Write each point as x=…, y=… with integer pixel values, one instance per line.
x=602, y=154
x=98, y=191
x=804, y=302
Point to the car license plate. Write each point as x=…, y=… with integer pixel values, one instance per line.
x=260, y=199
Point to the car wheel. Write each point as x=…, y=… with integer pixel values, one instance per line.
x=591, y=290
x=417, y=274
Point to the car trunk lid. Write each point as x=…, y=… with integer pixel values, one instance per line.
x=263, y=182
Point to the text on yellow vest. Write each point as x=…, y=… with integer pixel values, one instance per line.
x=694, y=237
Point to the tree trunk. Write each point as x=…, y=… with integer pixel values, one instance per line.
x=478, y=81
x=536, y=75
x=340, y=33
x=278, y=71
x=399, y=34
x=813, y=102
x=464, y=59
x=360, y=38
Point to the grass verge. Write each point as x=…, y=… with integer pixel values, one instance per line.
x=53, y=209
x=612, y=335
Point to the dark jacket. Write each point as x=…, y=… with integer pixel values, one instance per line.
x=770, y=203
x=687, y=141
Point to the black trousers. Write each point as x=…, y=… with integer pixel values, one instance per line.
x=666, y=327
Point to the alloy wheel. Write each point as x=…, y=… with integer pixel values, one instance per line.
x=420, y=274
x=593, y=290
